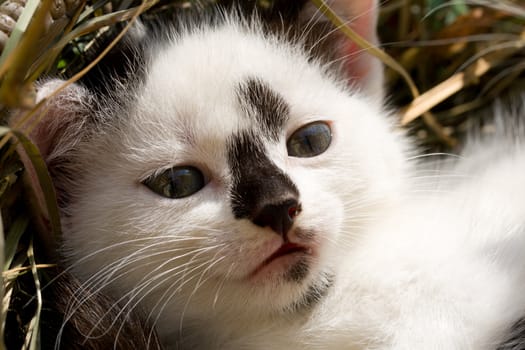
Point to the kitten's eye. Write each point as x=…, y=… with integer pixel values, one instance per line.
x=177, y=182
x=309, y=140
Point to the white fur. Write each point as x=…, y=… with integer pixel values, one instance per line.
x=184, y=115
x=438, y=269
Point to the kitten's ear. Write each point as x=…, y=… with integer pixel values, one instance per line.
x=61, y=121
x=360, y=67
x=57, y=129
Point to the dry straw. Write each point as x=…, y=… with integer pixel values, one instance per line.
x=448, y=61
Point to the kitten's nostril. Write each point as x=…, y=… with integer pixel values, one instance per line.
x=279, y=217
x=293, y=212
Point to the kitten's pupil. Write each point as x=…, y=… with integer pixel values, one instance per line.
x=309, y=140
x=176, y=182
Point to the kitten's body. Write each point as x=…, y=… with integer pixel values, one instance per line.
x=442, y=270
x=381, y=259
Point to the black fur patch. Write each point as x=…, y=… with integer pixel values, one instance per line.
x=315, y=293
x=271, y=11
x=266, y=106
x=516, y=337
x=122, y=68
x=257, y=181
x=298, y=271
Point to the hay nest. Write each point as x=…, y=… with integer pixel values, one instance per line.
x=448, y=61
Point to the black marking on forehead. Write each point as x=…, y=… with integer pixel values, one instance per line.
x=266, y=106
x=256, y=179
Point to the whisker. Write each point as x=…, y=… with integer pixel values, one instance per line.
x=143, y=283
x=435, y=154
x=198, y=284
x=221, y=284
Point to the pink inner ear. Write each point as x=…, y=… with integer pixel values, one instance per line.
x=356, y=63
x=61, y=114
x=362, y=17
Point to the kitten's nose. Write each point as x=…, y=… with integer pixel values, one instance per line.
x=279, y=217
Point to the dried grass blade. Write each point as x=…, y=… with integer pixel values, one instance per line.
x=433, y=97
x=63, y=26
x=93, y=25
x=365, y=45
x=32, y=335
x=8, y=285
x=15, y=91
x=19, y=29
x=32, y=152
x=455, y=83
x=14, y=272
x=130, y=14
x=503, y=80
x=86, y=28
x=7, y=180
x=387, y=60
x=3, y=311
x=90, y=9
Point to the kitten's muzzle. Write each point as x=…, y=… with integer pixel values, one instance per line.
x=279, y=217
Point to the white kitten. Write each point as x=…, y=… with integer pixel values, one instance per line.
x=238, y=190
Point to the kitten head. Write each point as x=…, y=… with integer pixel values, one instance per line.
x=227, y=178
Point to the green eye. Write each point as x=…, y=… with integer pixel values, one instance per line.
x=177, y=182
x=309, y=140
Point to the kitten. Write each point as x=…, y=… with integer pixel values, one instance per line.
x=242, y=186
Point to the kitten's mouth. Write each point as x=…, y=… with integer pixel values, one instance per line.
x=286, y=250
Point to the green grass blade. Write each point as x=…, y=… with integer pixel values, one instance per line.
x=44, y=180
x=14, y=234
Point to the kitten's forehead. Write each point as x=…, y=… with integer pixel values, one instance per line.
x=206, y=87
x=211, y=79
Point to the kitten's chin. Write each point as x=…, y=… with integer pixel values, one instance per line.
x=287, y=275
